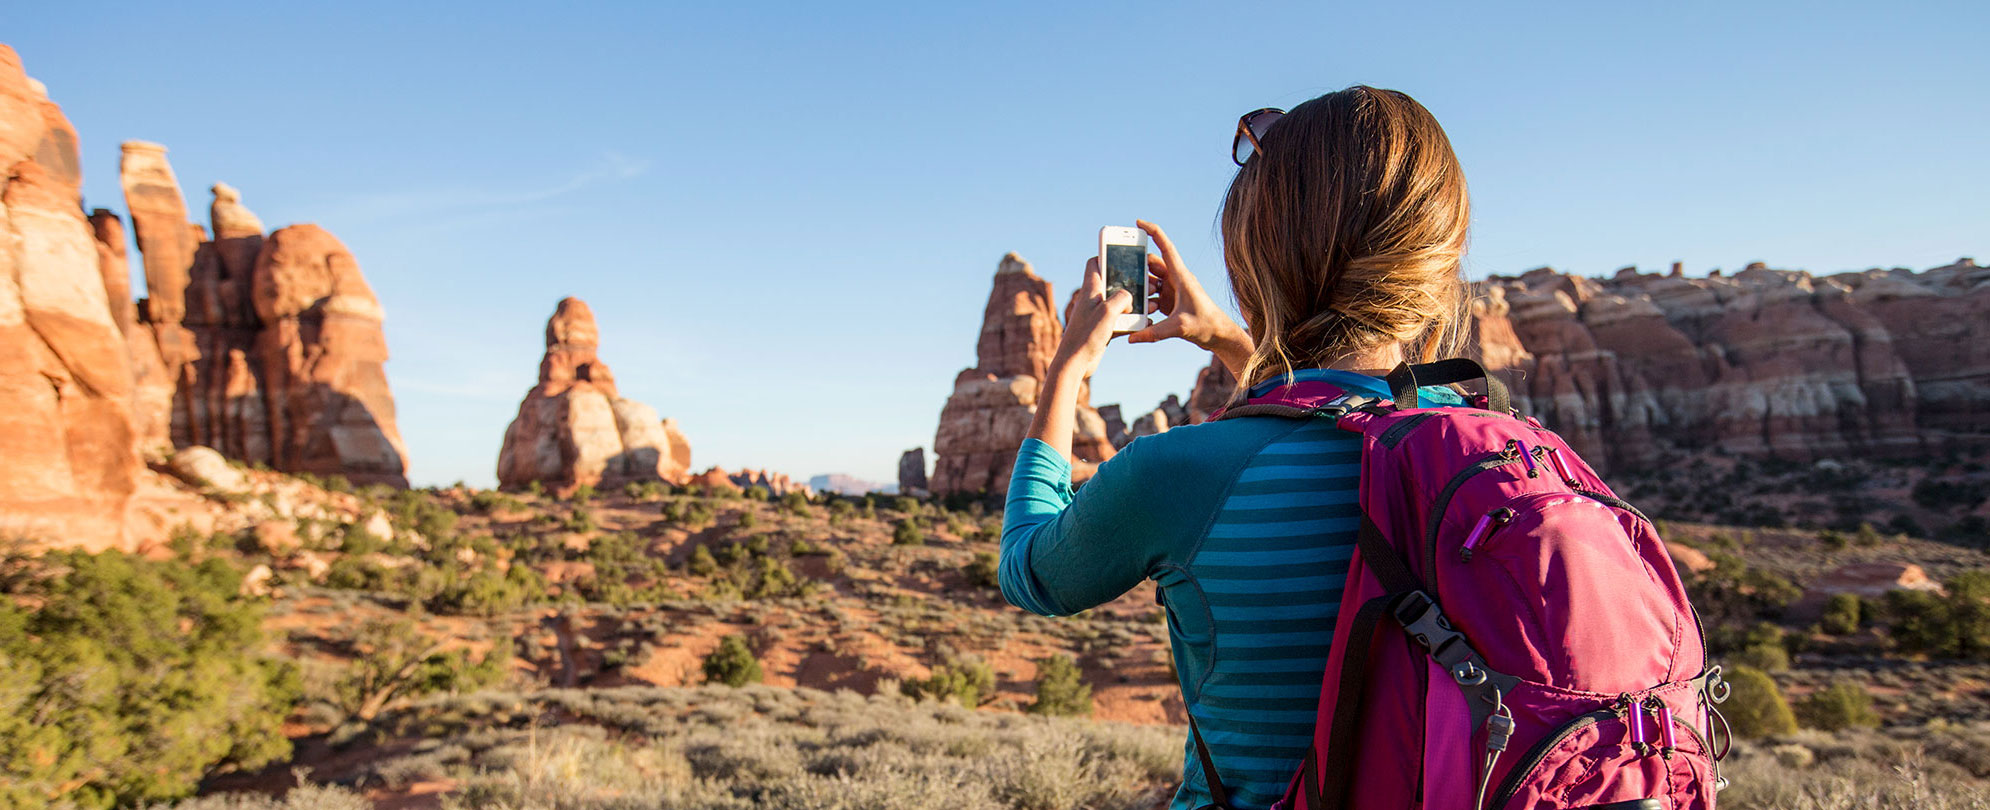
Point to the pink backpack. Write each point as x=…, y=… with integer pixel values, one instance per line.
x=1512, y=636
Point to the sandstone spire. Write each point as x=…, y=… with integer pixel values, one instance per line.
x=573, y=429
x=983, y=422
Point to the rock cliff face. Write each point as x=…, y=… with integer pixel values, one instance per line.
x=574, y=429
x=266, y=348
x=1766, y=362
x=983, y=422
x=66, y=431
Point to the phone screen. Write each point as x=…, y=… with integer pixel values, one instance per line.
x=1126, y=269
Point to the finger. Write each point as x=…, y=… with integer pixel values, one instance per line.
x=1162, y=241
x=1169, y=328
x=1159, y=267
x=1095, y=279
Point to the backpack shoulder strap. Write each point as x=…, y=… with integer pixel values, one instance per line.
x=1301, y=400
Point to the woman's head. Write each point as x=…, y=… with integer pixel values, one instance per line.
x=1344, y=233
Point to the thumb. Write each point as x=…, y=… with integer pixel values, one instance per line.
x=1170, y=328
x=1119, y=302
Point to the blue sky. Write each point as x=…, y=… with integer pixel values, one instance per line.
x=786, y=216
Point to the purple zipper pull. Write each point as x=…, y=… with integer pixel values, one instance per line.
x=1665, y=728
x=1561, y=465
x=1636, y=718
x=1489, y=522
x=1527, y=455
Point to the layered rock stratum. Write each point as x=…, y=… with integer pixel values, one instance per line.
x=574, y=429
x=267, y=348
x=983, y=421
x=1765, y=362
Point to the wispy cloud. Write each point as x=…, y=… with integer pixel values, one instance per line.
x=609, y=167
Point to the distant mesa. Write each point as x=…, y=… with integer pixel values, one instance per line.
x=573, y=429
x=842, y=484
x=267, y=348
x=983, y=422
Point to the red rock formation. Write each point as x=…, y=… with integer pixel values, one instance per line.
x=983, y=422
x=1763, y=362
x=573, y=428
x=272, y=346
x=776, y=484
x=1213, y=388
x=912, y=472
x=321, y=349
x=71, y=461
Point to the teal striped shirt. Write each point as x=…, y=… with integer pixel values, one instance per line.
x=1246, y=526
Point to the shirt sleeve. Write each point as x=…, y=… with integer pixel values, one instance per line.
x=1064, y=552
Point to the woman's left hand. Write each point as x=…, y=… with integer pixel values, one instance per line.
x=1088, y=323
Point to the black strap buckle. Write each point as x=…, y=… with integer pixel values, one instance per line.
x=1426, y=624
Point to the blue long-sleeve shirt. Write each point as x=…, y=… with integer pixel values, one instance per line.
x=1246, y=525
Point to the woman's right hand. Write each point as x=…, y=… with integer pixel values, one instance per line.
x=1191, y=314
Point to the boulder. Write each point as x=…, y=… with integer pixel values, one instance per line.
x=208, y=470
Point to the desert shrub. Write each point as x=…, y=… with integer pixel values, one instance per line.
x=355, y=539
x=396, y=662
x=804, y=548
x=580, y=521
x=1953, y=625
x=1060, y=688
x=356, y=573
x=982, y=570
x=581, y=494
x=702, y=563
x=484, y=502
x=1756, y=708
x=907, y=533
x=732, y=663
x=128, y=680
x=1841, y=614
x=535, y=488
x=487, y=591
x=772, y=580
x=795, y=503
x=964, y=679
x=758, y=493
x=1840, y=706
x=419, y=510
x=1761, y=647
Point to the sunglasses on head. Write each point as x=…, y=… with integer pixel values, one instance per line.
x=1250, y=130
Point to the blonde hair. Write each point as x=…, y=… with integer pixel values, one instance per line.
x=1345, y=233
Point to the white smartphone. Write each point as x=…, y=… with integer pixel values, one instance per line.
x=1123, y=256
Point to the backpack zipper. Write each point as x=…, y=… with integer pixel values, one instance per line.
x=1513, y=452
x=1540, y=750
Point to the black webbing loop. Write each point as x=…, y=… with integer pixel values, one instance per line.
x=1216, y=790
x=1406, y=379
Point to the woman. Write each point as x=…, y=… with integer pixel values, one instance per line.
x=1342, y=233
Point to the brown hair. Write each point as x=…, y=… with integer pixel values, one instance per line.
x=1345, y=233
